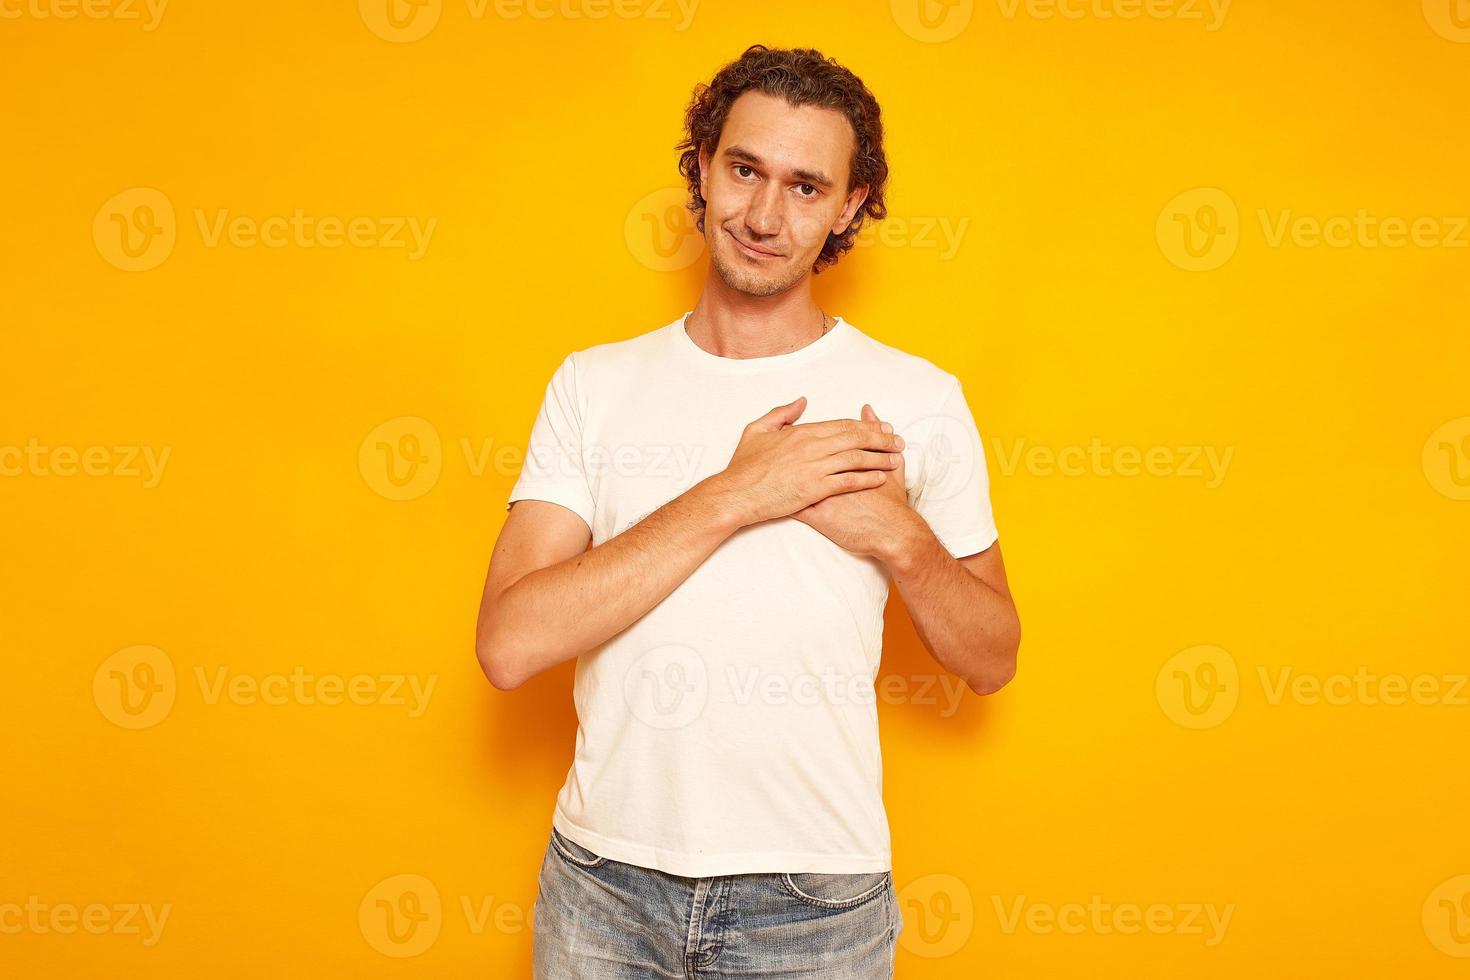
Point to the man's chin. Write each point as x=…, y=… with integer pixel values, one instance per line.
x=751, y=285
x=740, y=276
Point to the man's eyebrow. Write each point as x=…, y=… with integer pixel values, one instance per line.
x=809, y=176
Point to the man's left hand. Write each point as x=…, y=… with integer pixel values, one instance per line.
x=871, y=522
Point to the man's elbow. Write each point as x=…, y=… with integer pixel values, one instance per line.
x=993, y=680
x=500, y=674
x=495, y=660
x=1001, y=668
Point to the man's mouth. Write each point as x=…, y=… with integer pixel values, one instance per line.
x=753, y=250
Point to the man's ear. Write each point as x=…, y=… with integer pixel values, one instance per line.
x=704, y=173
x=854, y=201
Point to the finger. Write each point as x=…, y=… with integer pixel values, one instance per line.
x=781, y=415
x=854, y=480
x=839, y=426
x=860, y=459
x=863, y=435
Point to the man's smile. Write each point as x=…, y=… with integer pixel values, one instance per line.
x=752, y=250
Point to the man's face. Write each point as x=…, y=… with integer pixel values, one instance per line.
x=776, y=185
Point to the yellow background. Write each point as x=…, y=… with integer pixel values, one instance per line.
x=1334, y=544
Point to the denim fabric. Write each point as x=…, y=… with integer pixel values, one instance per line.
x=600, y=919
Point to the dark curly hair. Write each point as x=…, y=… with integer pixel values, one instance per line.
x=802, y=76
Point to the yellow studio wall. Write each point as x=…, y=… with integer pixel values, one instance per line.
x=284, y=284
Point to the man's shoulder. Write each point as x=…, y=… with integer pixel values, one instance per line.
x=907, y=366
x=615, y=355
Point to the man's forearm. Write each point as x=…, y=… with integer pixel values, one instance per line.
x=969, y=627
x=555, y=613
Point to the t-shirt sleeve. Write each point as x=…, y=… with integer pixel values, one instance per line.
x=553, y=469
x=953, y=488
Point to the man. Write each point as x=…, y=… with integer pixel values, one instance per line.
x=723, y=814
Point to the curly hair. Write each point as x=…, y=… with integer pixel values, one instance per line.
x=802, y=76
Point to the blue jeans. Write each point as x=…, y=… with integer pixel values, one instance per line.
x=600, y=919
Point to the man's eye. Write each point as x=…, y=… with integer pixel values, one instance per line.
x=739, y=167
x=813, y=190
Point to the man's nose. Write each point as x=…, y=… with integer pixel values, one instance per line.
x=763, y=217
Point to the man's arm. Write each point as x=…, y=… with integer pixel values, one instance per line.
x=567, y=599
x=961, y=608
x=547, y=598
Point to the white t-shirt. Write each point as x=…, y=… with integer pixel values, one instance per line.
x=733, y=728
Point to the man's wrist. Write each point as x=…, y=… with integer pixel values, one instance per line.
x=725, y=503
x=906, y=544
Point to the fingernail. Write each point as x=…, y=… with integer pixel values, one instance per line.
x=898, y=441
x=886, y=427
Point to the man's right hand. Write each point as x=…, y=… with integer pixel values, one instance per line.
x=780, y=467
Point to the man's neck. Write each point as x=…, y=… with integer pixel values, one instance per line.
x=755, y=326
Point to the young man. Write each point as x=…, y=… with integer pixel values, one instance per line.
x=723, y=814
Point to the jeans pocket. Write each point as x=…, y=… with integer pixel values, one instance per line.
x=835, y=891
x=575, y=853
